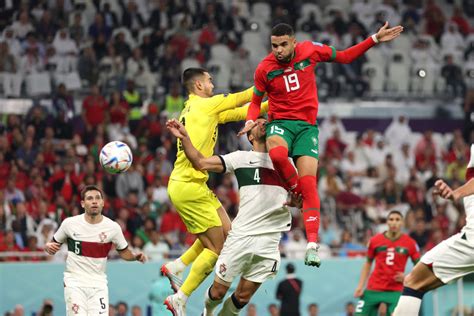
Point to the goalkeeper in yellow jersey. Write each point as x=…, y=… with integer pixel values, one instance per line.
x=198, y=207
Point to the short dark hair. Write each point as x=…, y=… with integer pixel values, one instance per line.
x=282, y=29
x=88, y=188
x=189, y=75
x=290, y=268
x=394, y=212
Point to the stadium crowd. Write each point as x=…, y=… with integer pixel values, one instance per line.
x=122, y=64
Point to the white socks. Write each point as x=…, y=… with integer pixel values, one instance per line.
x=229, y=309
x=407, y=306
x=210, y=304
x=176, y=267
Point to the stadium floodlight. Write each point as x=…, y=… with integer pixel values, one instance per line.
x=421, y=73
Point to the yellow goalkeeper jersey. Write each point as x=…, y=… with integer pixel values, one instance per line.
x=201, y=117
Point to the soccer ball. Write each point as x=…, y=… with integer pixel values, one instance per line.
x=116, y=157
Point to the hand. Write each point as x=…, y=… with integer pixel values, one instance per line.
x=248, y=126
x=359, y=292
x=385, y=34
x=443, y=190
x=296, y=200
x=52, y=247
x=177, y=128
x=140, y=257
x=399, y=277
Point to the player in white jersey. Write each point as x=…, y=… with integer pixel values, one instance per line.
x=89, y=238
x=251, y=248
x=451, y=259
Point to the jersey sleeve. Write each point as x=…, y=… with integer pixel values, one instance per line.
x=260, y=82
x=224, y=102
x=119, y=239
x=231, y=161
x=321, y=52
x=415, y=252
x=371, y=251
x=61, y=234
x=239, y=114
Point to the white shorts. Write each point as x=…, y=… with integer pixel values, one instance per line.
x=86, y=301
x=256, y=258
x=451, y=259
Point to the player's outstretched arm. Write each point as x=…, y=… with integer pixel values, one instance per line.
x=198, y=161
x=384, y=34
x=52, y=247
x=127, y=255
x=445, y=191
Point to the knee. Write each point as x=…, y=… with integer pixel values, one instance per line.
x=243, y=297
x=217, y=291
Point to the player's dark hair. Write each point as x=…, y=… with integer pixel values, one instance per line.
x=394, y=212
x=88, y=188
x=290, y=268
x=282, y=29
x=189, y=75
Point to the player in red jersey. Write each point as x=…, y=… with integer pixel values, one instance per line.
x=390, y=250
x=287, y=76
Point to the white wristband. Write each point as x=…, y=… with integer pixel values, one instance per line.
x=374, y=37
x=249, y=121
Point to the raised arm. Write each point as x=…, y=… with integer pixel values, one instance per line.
x=257, y=97
x=199, y=162
x=224, y=102
x=384, y=34
x=445, y=191
x=239, y=114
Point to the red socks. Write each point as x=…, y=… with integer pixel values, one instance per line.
x=311, y=206
x=283, y=166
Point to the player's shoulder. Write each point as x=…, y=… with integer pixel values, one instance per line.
x=378, y=238
x=267, y=63
x=407, y=238
x=108, y=221
x=73, y=219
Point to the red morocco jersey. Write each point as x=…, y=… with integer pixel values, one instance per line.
x=291, y=87
x=88, y=246
x=390, y=258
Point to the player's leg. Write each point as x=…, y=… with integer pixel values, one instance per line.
x=174, y=269
x=240, y=298
x=197, y=206
x=214, y=296
x=416, y=284
x=306, y=149
x=98, y=301
x=279, y=139
x=368, y=304
x=76, y=301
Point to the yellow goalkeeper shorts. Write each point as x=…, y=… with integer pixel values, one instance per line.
x=196, y=205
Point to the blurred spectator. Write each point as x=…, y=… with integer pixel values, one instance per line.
x=130, y=181
x=349, y=309
x=88, y=66
x=156, y=250
x=111, y=67
x=47, y=308
x=131, y=18
x=420, y=234
x=434, y=18
x=77, y=30
x=8, y=36
x=98, y=27
x=139, y=71
x=348, y=247
x=23, y=26
x=9, y=244
x=295, y=247
x=313, y=309
x=9, y=72
x=335, y=146
x=18, y=310
x=460, y=20
x=398, y=132
x=122, y=308
x=110, y=18
x=136, y=310
x=94, y=109
x=289, y=291
x=174, y=102
x=452, y=38
x=273, y=310
x=328, y=232
x=134, y=100
x=452, y=74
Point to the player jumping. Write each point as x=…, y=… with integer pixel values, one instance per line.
x=287, y=75
x=390, y=250
x=451, y=259
x=251, y=249
x=198, y=207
